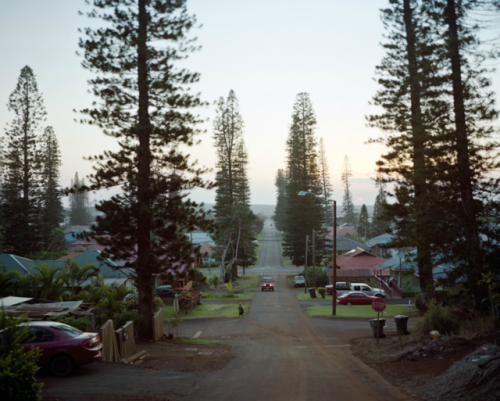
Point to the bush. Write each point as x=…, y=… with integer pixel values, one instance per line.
x=122, y=318
x=321, y=291
x=419, y=302
x=81, y=323
x=17, y=365
x=157, y=304
x=444, y=297
x=437, y=317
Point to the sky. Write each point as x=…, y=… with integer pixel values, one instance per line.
x=267, y=51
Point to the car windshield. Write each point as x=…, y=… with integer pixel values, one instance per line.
x=268, y=280
x=66, y=329
x=344, y=295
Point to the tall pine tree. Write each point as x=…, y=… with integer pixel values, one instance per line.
x=52, y=211
x=145, y=103
x=233, y=217
x=326, y=185
x=279, y=211
x=79, y=203
x=347, y=204
x=363, y=227
x=20, y=192
x=303, y=213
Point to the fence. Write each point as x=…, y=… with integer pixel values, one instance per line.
x=158, y=325
x=126, y=342
x=110, y=352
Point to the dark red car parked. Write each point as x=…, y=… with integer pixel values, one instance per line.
x=63, y=347
x=355, y=298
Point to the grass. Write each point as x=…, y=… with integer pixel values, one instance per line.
x=212, y=311
x=360, y=311
x=248, y=281
x=247, y=296
x=307, y=297
x=200, y=341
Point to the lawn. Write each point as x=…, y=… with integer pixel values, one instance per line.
x=210, y=311
x=361, y=311
x=307, y=297
x=248, y=296
x=246, y=281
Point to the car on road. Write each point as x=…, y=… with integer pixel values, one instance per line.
x=355, y=298
x=267, y=283
x=299, y=281
x=63, y=347
x=343, y=288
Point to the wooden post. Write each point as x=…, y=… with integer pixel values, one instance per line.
x=305, y=266
x=314, y=265
x=334, y=262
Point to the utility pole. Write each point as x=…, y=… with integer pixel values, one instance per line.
x=305, y=267
x=334, y=260
x=314, y=266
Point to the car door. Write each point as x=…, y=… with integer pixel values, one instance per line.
x=363, y=299
x=352, y=298
x=367, y=290
x=43, y=339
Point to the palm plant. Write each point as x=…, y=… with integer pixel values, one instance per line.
x=112, y=301
x=73, y=275
x=50, y=281
x=8, y=281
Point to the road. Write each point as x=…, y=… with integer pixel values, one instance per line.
x=281, y=354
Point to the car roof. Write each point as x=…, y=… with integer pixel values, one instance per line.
x=42, y=323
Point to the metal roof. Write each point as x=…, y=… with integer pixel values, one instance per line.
x=10, y=301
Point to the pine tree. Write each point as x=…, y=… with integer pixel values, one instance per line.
x=325, y=184
x=79, y=203
x=52, y=211
x=21, y=201
x=347, y=204
x=146, y=104
x=279, y=211
x=303, y=213
x=364, y=223
x=234, y=219
x=380, y=223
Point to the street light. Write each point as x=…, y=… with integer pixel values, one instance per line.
x=334, y=254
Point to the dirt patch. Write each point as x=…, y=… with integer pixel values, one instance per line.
x=179, y=356
x=444, y=369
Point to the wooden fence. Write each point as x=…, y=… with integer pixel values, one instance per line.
x=126, y=342
x=110, y=352
x=158, y=325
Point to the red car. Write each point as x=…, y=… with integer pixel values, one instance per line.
x=355, y=298
x=63, y=347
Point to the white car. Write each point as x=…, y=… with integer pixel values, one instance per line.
x=299, y=281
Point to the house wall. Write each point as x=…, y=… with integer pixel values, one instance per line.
x=409, y=282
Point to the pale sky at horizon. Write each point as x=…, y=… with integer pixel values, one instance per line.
x=266, y=51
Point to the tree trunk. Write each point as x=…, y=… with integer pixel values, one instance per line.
x=424, y=259
x=144, y=276
x=469, y=206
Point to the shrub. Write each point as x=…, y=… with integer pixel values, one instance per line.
x=17, y=365
x=321, y=291
x=419, y=301
x=122, y=318
x=157, y=304
x=81, y=323
x=437, y=317
x=444, y=297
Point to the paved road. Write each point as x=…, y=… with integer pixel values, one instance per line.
x=284, y=355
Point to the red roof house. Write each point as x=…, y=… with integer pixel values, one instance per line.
x=341, y=230
x=359, y=259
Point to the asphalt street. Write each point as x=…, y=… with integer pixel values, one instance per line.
x=284, y=355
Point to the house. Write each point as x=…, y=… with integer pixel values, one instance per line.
x=362, y=263
x=384, y=239
x=342, y=230
x=345, y=245
x=402, y=267
x=200, y=237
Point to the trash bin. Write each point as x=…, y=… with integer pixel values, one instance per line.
x=312, y=292
x=401, y=324
x=378, y=325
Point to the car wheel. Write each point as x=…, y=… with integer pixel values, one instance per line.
x=273, y=289
x=348, y=303
x=263, y=290
x=61, y=366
